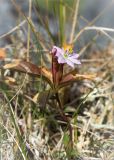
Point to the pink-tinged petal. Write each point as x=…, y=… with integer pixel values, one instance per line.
x=61, y=59
x=64, y=56
x=75, y=55
x=70, y=63
x=76, y=61
x=59, y=51
x=58, y=54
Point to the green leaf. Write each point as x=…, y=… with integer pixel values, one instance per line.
x=62, y=10
x=66, y=139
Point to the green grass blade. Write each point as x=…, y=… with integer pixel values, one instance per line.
x=62, y=17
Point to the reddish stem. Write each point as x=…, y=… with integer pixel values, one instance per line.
x=65, y=118
x=57, y=70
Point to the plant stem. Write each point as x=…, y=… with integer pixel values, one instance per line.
x=65, y=118
x=29, y=117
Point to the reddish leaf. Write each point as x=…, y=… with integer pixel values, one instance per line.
x=69, y=78
x=32, y=69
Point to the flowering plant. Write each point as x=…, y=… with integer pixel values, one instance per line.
x=55, y=78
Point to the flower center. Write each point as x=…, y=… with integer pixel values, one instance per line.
x=65, y=55
x=68, y=52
